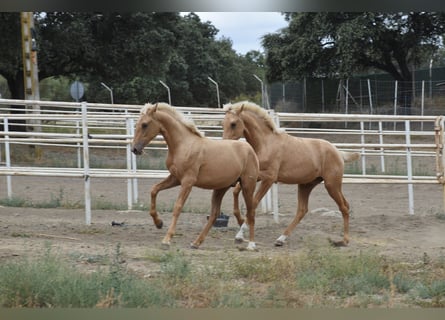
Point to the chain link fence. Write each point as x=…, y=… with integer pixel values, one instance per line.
x=370, y=94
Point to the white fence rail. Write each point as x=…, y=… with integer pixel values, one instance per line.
x=394, y=149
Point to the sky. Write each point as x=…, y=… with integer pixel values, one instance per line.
x=245, y=29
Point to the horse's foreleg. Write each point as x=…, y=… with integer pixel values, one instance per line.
x=167, y=183
x=265, y=185
x=182, y=197
x=304, y=190
x=236, y=210
x=217, y=197
x=263, y=188
x=248, y=188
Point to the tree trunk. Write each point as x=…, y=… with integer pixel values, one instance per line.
x=16, y=87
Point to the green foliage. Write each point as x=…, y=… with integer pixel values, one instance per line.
x=320, y=277
x=433, y=291
x=175, y=265
x=55, y=89
x=331, y=272
x=55, y=201
x=130, y=52
x=337, y=44
x=50, y=282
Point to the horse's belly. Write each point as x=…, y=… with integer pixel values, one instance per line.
x=298, y=175
x=217, y=180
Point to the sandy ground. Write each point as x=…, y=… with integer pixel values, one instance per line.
x=380, y=221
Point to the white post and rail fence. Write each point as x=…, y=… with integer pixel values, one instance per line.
x=394, y=149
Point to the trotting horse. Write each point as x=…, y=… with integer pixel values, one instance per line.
x=290, y=160
x=194, y=160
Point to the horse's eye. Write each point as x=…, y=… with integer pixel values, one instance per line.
x=233, y=125
x=144, y=125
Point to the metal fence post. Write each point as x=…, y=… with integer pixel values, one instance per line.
x=7, y=158
x=86, y=163
x=134, y=167
x=409, y=167
x=129, y=182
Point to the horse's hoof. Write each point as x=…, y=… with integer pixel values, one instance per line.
x=165, y=246
x=340, y=243
x=251, y=246
x=194, y=246
x=239, y=240
x=159, y=225
x=279, y=243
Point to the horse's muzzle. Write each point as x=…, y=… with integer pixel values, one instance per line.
x=136, y=151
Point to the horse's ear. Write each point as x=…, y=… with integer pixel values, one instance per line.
x=155, y=107
x=241, y=109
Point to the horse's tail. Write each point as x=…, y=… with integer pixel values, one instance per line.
x=350, y=156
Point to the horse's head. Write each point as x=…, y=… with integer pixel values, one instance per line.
x=147, y=128
x=233, y=125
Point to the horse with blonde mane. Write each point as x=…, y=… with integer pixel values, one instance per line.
x=194, y=160
x=290, y=160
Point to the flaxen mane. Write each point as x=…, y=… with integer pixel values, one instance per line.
x=165, y=107
x=260, y=112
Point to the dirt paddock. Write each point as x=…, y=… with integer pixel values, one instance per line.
x=380, y=221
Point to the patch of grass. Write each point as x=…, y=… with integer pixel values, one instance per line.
x=440, y=215
x=49, y=282
x=330, y=272
x=57, y=201
x=403, y=283
x=317, y=277
x=433, y=293
x=102, y=204
x=175, y=266
x=14, y=202
x=54, y=202
x=20, y=235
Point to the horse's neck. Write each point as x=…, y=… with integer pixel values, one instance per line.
x=256, y=133
x=174, y=132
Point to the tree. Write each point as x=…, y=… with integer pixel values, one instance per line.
x=130, y=52
x=11, y=67
x=337, y=44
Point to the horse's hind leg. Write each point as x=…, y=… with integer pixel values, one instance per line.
x=236, y=210
x=167, y=183
x=217, y=197
x=304, y=190
x=334, y=190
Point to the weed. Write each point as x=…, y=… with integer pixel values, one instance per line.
x=440, y=215
x=14, y=202
x=54, y=202
x=20, y=235
x=328, y=271
x=403, y=283
x=49, y=282
x=175, y=265
x=433, y=290
x=101, y=204
x=321, y=276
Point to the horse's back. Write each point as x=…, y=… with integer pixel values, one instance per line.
x=301, y=160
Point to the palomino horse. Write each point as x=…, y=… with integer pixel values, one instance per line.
x=194, y=160
x=291, y=160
